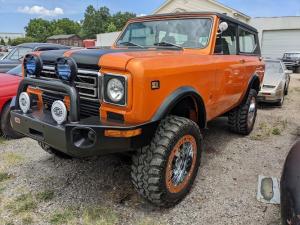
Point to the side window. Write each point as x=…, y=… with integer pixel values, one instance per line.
x=226, y=43
x=247, y=41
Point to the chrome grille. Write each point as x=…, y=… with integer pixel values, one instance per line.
x=87, y=81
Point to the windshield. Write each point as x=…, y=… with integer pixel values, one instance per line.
x=17, y=71
x=273, y=68
x=292, y=55
x=18, y=53
x=185, y=33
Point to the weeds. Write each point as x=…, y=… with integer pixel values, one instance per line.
x=11, y=159
x=24, y=203
x=99, y=216
x=65, y=217
x=45, y=196
x=4, y=177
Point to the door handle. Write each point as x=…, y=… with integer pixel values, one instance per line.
x=242, y=61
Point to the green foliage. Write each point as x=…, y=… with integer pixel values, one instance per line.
x=45, y=196
x=111, y=27
x=39, y=29
x=9, y=41
x=24, y=203
x=22, y=40
x=120, y=19
x=4, y=177
x=95, y=21
x=65, y=26
x=2, y=42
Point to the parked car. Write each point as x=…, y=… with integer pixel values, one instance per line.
x=290, y=188
x=14, y=57
x=292, y=61
x=9, y=83
x=164, y=79
x=276, y=83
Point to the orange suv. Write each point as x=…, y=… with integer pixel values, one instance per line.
x=151, y=93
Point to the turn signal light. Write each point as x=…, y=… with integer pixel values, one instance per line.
x=123, y=133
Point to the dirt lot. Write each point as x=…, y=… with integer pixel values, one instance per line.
x=39, y=189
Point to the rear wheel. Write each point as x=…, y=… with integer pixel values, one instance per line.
x=6, y=127
x=242, y=119
x=281, y=101
x=54, y=152
x=164, y=171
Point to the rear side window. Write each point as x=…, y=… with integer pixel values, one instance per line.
x=226, y=43
x=247, y=41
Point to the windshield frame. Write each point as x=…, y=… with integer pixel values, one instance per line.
x=211, y=18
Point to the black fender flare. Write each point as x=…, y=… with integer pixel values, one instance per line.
x=290, y=180
x=251, y=84
x=170, y=102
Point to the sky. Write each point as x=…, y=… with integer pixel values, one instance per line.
x=15, y=14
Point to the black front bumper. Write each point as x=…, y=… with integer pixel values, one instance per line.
x=73, y=137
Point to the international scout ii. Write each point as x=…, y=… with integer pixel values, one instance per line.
x=165, y=77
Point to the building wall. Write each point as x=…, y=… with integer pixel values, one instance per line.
x=107, y=39
x=74, y=41
x=12, y=36
x=198, y=5
x=275, y=23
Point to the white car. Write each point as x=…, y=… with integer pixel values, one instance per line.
x=276, y=83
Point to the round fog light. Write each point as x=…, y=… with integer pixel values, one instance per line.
x=59, y=112
x=24, y=102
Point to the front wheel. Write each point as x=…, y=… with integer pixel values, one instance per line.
x=164, y=171
x=6, y=127
x=242, y=119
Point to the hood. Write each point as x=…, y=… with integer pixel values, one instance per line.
x=8, y=80
x=273, y=79
x=96, y=58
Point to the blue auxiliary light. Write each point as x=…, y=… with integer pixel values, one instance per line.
x=66, y=69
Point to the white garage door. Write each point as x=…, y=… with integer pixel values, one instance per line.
x=277, y=42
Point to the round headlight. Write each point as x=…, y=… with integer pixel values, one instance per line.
x=115, y=90
x=66, y=69
x=32, y=65
x=24, y=102
x=59, y=112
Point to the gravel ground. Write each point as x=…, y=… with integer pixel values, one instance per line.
x=36, y=188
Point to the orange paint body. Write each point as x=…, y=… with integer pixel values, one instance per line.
x=221, y=80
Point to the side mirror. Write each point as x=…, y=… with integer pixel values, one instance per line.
x=223, y=27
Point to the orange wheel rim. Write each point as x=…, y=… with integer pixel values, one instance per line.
x=181, y=164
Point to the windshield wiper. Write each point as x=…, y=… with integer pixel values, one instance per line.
x=164, y=43
x=129, y=43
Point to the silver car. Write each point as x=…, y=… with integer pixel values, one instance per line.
x=276, y=83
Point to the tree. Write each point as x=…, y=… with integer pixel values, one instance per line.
x=2, y=42
x=9, y=41
x=65, y=26
x=111, y=27
x=120, y=19
x=21, y=40
x=39, y=29
x=95, y=21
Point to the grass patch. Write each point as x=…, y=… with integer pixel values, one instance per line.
x=65, y=217
x=4, y=177
x=27, y=220
x=45, y=196
x=99, y=216
x=11, y=159
x=266, y=130
x=2, y=140
x=89, y=216
x=24, y=203
x=276, y=131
